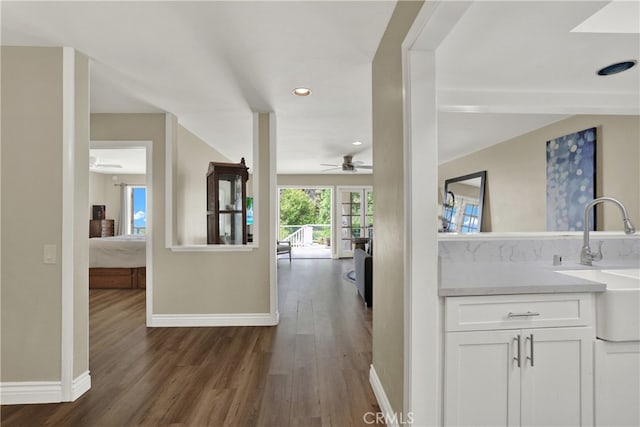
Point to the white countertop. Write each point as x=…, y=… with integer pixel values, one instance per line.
x=495, y=278
x=535, y=235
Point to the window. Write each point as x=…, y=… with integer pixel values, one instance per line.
x=449, y=215
x=137, y=210
x=356, y=217
x=470, y=218
x=461, y=216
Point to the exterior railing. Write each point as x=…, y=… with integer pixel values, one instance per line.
x=306, y=235
x=300, y=237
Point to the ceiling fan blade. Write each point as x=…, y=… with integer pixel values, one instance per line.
x=107, y=165
x=348, y=165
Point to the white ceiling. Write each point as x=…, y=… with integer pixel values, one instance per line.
x=506, y=68
x=511, y=67
x=213, y=63
x=118, y=161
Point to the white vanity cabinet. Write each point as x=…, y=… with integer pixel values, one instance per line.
x=513, y=360
x=617, y=381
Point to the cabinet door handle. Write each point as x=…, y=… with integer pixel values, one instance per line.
x=530, y=358
x=527, y=314
x=517, y=358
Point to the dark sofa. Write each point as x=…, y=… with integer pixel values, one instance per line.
x=364, y=275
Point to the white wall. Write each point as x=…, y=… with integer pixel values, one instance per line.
x=81, y=196
x=388, y=184
x=193, y=157
x=515, y=193
x=42, y=119
x=31, y=212
x=197, y=283
x=326, y=180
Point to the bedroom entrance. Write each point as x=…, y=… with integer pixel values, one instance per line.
x=120, y=214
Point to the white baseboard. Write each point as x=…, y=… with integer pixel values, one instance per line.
x=233, y=319
x=32, y=392
x=381, y=397
x=80, y=385
x=24, y=392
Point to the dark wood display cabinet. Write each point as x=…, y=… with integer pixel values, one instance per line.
x=227, y=203
x=101, y=228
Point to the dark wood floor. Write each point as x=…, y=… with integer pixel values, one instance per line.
x=310, y=370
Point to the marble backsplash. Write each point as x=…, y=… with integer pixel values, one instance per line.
x=532, y=249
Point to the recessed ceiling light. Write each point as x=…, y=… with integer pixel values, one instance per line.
x=302, y=91
x=616, y=68
x=356, y=143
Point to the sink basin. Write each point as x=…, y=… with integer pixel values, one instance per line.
x=633, y=273
x=617, y=308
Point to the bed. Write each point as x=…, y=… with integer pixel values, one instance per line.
x=117, y=262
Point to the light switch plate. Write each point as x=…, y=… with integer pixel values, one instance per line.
x=49, y=254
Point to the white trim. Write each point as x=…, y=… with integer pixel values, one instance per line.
x=68, y=218
x=335, y=224
x=383, y=401
x=255, y=185
x=423, y=336
x=106, y=144
x=149, y=232
x=534, y=235
x=26, y=392
x=168, y=180
x=208, y=320
x=273, y=214
x=422, y=314
x=536, y=102
x=81, y=385
x=213, y=248
x=408, y=367
x=337, y=238
x=38, y=392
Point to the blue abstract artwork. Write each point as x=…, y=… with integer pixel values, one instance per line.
x=571, y=180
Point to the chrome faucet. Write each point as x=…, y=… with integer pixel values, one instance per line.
x=586, y=255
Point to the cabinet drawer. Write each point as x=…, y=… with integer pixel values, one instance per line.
x=481, y=313
x=101, y=227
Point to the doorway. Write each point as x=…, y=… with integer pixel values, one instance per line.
x=305, y=220
x=120, y=182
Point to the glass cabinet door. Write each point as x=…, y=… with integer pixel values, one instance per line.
x=230, y=201
x=229, y=228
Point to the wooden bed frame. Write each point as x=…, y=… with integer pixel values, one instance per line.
x=118, y=278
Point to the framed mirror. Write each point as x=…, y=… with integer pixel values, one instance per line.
x=462, y=203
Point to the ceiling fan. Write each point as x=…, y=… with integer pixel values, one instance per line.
x=348, y=165
x=94, y=163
